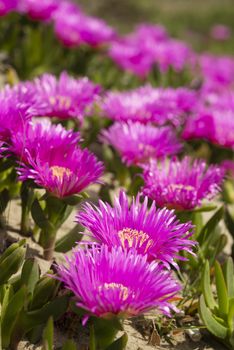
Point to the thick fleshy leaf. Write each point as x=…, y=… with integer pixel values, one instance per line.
x=210, y=225
x=48, y=335
x=210, y=322
x=68, y=241
x=69, y=345
x=13, y=309
x=119, y=344
x=39, y=216
x=206, y=287
x=30, y=274
x=221, y=290
x=229, y=277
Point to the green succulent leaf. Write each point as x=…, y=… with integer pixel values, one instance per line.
x=69, y=345
x=229, y=221
x=68, y=241
x=210, y=225
x=229, y=277
x=231, y=314
x=221, y=290
x=12, y=311
x=8, y=294
x=43, y=291
x=119, y=344
x=39, y=215
x=10, y=264
x=55, y=308
x=48, y=335
x=210, y=322
x=30, y=274
x=206, y=287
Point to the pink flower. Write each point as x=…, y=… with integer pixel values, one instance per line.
x=61, y=171
x=218, y=72
x=181, y=184
x=41, y=10
x=147, y=104
x=75, y=28
x=137, y=143
x=151, y=231
x=65, y=97
x=7, y=6
x=38, y=134
x=214, y=125
x=220, y=32
x=108, y=283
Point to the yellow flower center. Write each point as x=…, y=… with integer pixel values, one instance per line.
x=63, y=102
x=134, y=236
x=59, y=172
x=123, y=291
x=181, y=186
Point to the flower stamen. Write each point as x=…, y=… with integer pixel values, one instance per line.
x=124, y=291
x=59, y=172
x=134, y=236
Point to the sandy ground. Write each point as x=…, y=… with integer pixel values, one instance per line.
x=136, y=341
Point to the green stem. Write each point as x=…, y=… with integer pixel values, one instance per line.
x=49, y=245
x=27, y=195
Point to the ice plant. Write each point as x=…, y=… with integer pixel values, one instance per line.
x=7, y=6
x=14, y=117
x=65, y=97
x=65, y=20
x=137, y=143
x=155, y=232
x=112, y=282
x=181, y=184
x=212, y=124
x=131, y=57
x=94, y=31
x=42, y=10
x=228, y=166
x=74, y=28
x=40, y=134
x=147, y=104
x=61, y=171
x=218, y=72
x=147, y=46
x=220, y=32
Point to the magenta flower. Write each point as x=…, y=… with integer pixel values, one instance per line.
x=155, y=232
x=228, y=167
x=173, y=53
x=65, y=24
x=181, y=184
x=75, y=28
x=94, y=31
x=14, y=117
x=24, y=94
x=41, y=10
x=220, y=32
x=218, y=72
x=108, y=283
x=137, y=143
x=65, y=97
x=38, y=134
x=7, y=6
x=131, y=57
x=147, y=46
x=148, y=104
x=150, y=34
x=61, y=171
x=214, y=125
